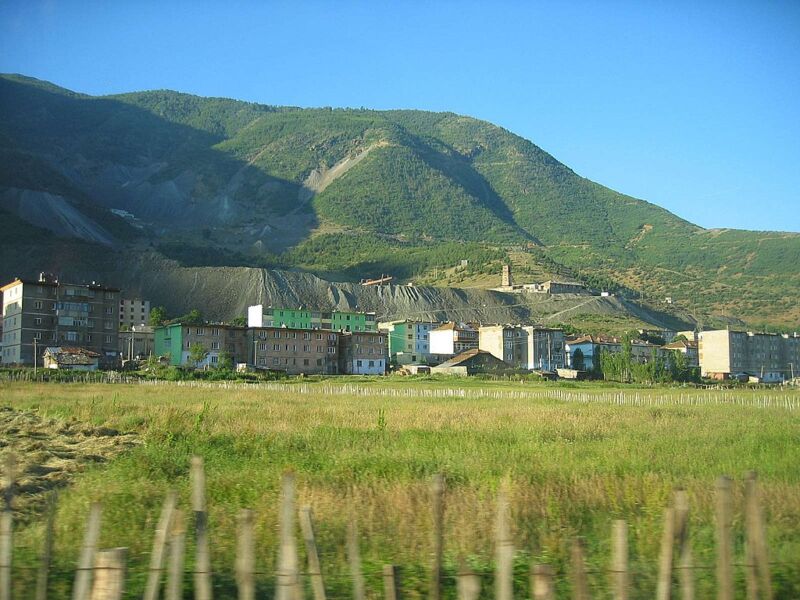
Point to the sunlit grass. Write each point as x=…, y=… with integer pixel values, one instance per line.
x=575, y=466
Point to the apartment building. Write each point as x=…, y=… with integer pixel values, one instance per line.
x=295, y=350
x=176, y=340
x=453, y=338
x=767, y=357
x=688, y=349
x=591, y=346
x=334, y=320
x=364, y=353
x=529, y=347
x=409, y=341
x=133, y=311
x=45, y=312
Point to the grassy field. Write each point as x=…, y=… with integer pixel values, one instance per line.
x=577, y=458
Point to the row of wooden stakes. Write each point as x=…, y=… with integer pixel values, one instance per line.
x=101, y=574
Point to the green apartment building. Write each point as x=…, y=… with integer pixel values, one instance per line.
x=168, y=341
x=259, y=316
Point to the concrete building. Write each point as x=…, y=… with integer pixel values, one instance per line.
x=409, y=341
x=765, y=357
x=452, y=339
x=591, y=347
x=45, y=312
x=295, y=351
x=334, y=320
x=137, y=342
x=364, y=353
x=527, y=347
x=133, y=312
x=176, y=341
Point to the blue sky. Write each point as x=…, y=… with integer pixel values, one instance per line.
x=694, y=106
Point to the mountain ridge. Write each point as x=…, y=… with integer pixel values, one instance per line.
x=218, y=179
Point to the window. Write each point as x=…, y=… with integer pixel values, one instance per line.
x=215, y=345
x=214, y=358
x=372, y=363
x=275, y=347
x=276, y=361
x=358, y=363
x=306, y=336
x=294, y=347
x=37, y=321
x=200, y=331
x=305, y=362
x=276, y=334
x=294, y=335
x=319, y=362
x=215, y=331
x=306, y=348
x=71, y=336
x=107, y=325
x=332, y=350
x=188, y=344
x=38, y=304
x=37, y=335
x=319, y=336
x=319, y=349
x=108, y=339
x=262, y=361
x=52, y=306
x=109, y=310
x=89, y=337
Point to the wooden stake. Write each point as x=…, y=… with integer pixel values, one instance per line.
x=157, y=555
x=437, y=496
x=542, y=582
x=580, y=582
x=314, y=568
x=245, y=556
x=390, y=583
x=109, y=574
x=724, y=516
x=469, y=584
x=619, y=559
x=663, y=591
x=504, y=546
x=47, y=550
x=7, y=526
x=354, y=557
x=202, y=569
x=288, y=579
x=685, y=573
x=83, y=575
x=756, y=535
x=177, y=547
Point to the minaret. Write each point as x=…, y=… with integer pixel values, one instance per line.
x=507, y=280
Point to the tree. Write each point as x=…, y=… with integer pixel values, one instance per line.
x=225, y=360
x=578, y=360
x=239, y=322
x=192, y=318
x=197, y=353
x=158, y=315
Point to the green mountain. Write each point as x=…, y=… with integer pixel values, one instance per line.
x=350, y=194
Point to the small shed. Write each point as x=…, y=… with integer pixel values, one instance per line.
x=71, y=358
x=472, y=362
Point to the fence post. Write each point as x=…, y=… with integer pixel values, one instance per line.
x=7, y=526
x=756, y=535
x=619, y=559
x=724, y=516
x=504, y=546
x=542, y=582
x=202, y=569
x=580, y=583
x=437, y=495
x=177, y=545
x=354, y=557
x=288, y=571
x=390, y=583
x=245, y=560
x=47, y=549
x=83, y=575
x=469, y=583
x=314, y=568
x=685, y=547
x=159, y=544
x=663, y=591
x=109, y=578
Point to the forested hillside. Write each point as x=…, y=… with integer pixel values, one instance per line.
x=349, y=194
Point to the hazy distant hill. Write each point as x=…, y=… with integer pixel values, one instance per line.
x=350, y=194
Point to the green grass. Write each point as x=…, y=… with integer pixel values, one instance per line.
x=574, y=467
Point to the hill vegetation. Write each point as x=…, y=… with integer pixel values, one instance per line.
x=357, y=193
